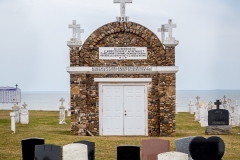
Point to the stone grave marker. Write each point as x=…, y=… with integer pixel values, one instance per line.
x=24, y=115
x=90, y=148
x=62, y=112
x=48, y=152
x=172, y=156
x=182, y=145
x=16, y=108
x=75, y=151
x=28, y=147
x=218, y=121
x=13, y=125
x=128, y=152
x=191, y=108
x=207, y=149
x=152, y=147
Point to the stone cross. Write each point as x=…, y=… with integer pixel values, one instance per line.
x=169, y=27
x=24, y=105
x=62, y=100
x=76, y=29
x=163, y=30
x=217, y=103
x=197, y=98
x=122, y=6
x=16, y=85
x=224, y=97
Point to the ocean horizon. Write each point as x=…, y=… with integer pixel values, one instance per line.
x=49, y=100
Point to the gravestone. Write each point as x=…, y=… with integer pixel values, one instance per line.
x=182, y=145
x=207, y=149
x=152, y=147
x=48, y=152
x=13, y=125
x=218, y=121
x=16, y=108
x=90, y=148
x=62, y=112
x=24, y=115
x=28, y=147
x=191, y=108
x=128, y=152
x=75, y=151
x=173, y=156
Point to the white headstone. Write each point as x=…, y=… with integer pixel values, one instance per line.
x=24, y=115
x=75, y=151
x=62, y=112
x=12, y=115
x=69, y=110
x=172, y=156
x=75, y=41
x=16, y=108
x=191, y=108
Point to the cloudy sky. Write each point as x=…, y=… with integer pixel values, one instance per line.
x=34, y=33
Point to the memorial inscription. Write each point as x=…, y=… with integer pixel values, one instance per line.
x=218, y=116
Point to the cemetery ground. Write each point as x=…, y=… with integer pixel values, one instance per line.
x=44, y=124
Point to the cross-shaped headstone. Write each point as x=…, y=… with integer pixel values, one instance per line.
x=16, y=85
x=217, y=103
x=163, y=30
x=76, y=30
x=24, y=105
x=169, y=27
x=122, y=6
x=62, y=100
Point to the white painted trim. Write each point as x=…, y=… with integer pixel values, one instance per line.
x=155, y=70
x=119, y=80
x=100, y=85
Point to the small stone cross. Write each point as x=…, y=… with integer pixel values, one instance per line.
x=122, y=6
x=76, y=30
x=217, y=103
x=24, y=105
x=62, y=100
x=169, y=27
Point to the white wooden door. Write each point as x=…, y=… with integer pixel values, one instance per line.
x=123, y=110
x=112, y=110
x=134, y=100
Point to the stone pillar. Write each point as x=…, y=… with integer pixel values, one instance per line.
x=13, y=128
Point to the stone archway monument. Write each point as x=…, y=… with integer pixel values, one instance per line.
x=123, y=80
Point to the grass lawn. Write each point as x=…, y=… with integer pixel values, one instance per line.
x=44, y=124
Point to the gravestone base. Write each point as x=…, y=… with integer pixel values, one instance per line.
x=218, y=129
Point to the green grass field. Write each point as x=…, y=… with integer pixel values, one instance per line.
x=44, y=124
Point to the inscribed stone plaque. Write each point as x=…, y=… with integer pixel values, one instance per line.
x=173, y=156
x=75, y=151
x=207, y=149
x=122, y=53
x=182, y=144
x=28, y=147
x=48, y=152
x=90, y=147
x=152, y=147
x=218, y=117
x=128, y=152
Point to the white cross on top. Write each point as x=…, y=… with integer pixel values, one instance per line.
x=24, y=105
x=122, y=6
x=76, y=29
x=169, y=27
x=62, y=100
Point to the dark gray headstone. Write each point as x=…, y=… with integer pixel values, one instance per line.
x=128, y=153
x=182, y=145
x=90, y=147
x=218, y=116
x=48, y=152
x=28, y=147
x=152, y=147
x=207, y=149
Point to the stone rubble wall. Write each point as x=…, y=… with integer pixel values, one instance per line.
x=84, y=91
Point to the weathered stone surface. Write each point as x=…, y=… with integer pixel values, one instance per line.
x=218, y=130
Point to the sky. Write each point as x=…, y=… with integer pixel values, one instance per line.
x=34, y=34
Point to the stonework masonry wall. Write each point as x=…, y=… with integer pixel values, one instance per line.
x=84, y=91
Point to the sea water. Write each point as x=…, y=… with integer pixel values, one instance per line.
x=50, y=100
